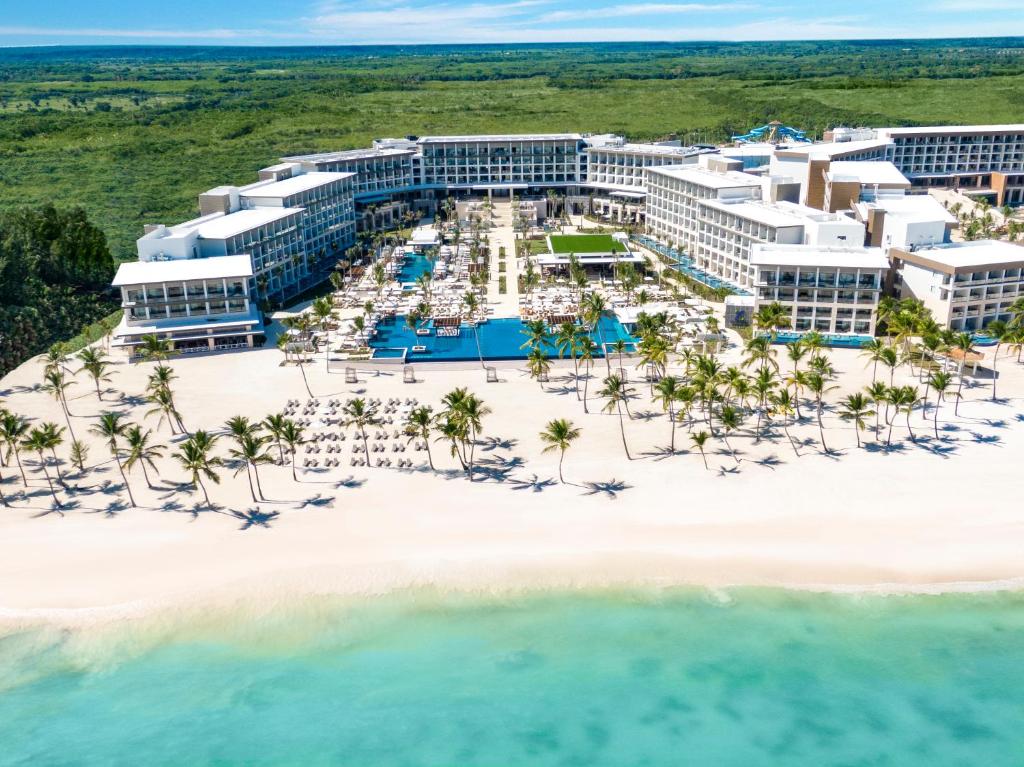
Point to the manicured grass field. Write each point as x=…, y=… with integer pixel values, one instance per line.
x=585, y=243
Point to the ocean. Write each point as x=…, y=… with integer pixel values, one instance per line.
x=680, y=677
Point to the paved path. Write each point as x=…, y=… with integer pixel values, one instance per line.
x=503, y=235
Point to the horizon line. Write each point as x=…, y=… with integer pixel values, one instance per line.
x=242, y=45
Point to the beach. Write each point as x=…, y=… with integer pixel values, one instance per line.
x=926, y=516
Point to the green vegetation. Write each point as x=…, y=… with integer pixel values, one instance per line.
x=55, y=272
x=133, y=135
x=585, y=243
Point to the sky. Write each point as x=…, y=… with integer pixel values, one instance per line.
x=338, y=22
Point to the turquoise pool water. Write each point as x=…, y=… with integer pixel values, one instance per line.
x=413, y=266
x=500, y=339
x=837, y=341
x=609, y=679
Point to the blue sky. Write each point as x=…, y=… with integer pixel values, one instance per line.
x=324, y=22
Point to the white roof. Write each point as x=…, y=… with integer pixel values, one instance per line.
x=974, y=253
x=424, y=235
x=223, y=227
x=712, y=179
x=180, y=269
x=833, y=148
x=814, y=255
x=866, y=172
x=348, y=154
x=911, y=207
x=660, y=150
x=954, y=129
x=295, y=185
x=767, y=213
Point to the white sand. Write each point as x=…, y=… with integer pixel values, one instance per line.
x=907, y=520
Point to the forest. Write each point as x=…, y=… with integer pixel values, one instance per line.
x=131, y=135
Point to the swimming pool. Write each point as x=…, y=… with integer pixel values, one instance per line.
x=835, y=341
x=415, y=264
x=500, y=339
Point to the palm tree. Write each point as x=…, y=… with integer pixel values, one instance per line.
x=1001, y=333
x=782, y=403
x=536, y=332
x=772, y=317
x=79, y=454
x=94, y=363
x=939, y=381
x=275, y=424
x=538, y=364
x=13, y=429
x=140, y=451
x=699, y=439
x=904, y=399
x=796, y=351
x=57, y=386
x=759, y=351
x=292, y=436
x=668, y=389
x=878, y=392
x=873, y=351
x=587, y=350
x=729, y=418
x=964, y=343
x=37, y=441
x=360, y=414
x=470, y=413
x=593, y=310
x=567, y=341
x=418, y=425
x=194, y=457
x=54, y=438
x=239, y=426
x=283, y=342
x=616, y=392
x=56, y=358
x=817, y=384
x=856, y=408
x=559, y=435
x=164, y=402
x=154, y=349
x=252, y=452
x=763, y=386
x=111, y=428
x=161, y=394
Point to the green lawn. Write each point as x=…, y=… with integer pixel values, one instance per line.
x=585, y=243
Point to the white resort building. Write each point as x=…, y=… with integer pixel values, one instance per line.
x=195, y=304
x=826, y=289
x=839, y=201
x=966, y=285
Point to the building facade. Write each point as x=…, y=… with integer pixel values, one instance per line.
x=966, y=285
x=200, y=304
x=826, y=289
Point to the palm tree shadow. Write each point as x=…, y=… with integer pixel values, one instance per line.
x=497, y=474
x=769, y=462
x=534, y=483
x=561, y=390
x=645, y=415
x=495, y=443
x=660, y=452
x=255, y=518
x=611, y=488
x=503, y=462
x=725, y=469
x=986, y=439
x=349, y=483
x=131, y=400
x=172, y=505
x=317, y=501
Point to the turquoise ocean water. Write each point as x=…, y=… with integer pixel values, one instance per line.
x=623, y=678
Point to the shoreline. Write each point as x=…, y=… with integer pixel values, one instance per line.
x=282, y=595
